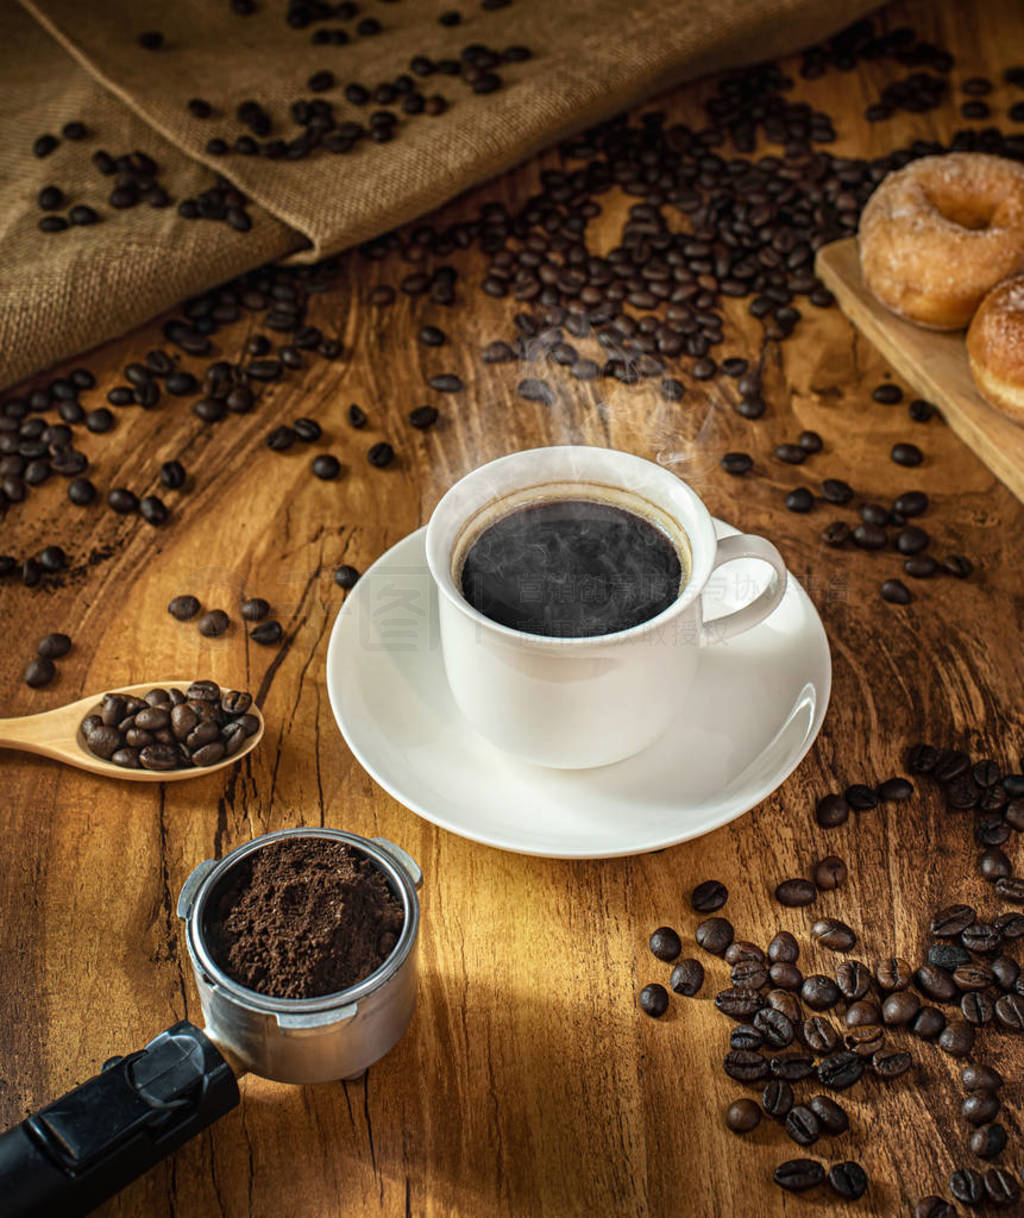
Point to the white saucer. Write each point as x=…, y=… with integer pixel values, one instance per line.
x=753, y=712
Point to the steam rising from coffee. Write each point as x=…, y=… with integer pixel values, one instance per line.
x=572, y=568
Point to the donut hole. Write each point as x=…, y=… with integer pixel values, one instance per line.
x=973, y=213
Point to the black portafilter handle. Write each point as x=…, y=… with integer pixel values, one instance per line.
x=65, y=1159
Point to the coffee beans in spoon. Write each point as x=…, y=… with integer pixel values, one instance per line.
x=170, y=729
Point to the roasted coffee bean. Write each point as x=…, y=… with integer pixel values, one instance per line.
x=787, y=1003
x=153, y=510
x=901, y=1007
x=739, y=950
x=39, y=672
x=982, y=937
x=708, y=896
x=745, y=1066
x=792, y=1066
x=103, y=741
x=158, y=757
x=795, y=892
x=267, y=633
x=973, y=976
x=745, y=1036
x=848, y=1180
x=800, y=500
x=861, y=798
x=980, y=1107
x=967, y=1186
x=893, y=790
x=326, y=467
x=53, y=646
x=799, y=1175
x=653, y=1000
x=1006, y=972
x=921, y=566
x=820, y=1035
x=906, y=454
x=687, y=977
x=777, y=1098
x=831, y=811
x=935, y=983
x=1000, y=1187
x=951, y=921
x=235, y=701
x=783, y=949
x=664, y=943
x=123, y=500
x=836, y=491
x=1009, y=1011
x=153, y=718
x=829, y=873
x=831, y=1116
x=213, y=623
x=183, y=721
x=775, y=1027
x=819, y=992
x=791, y=454
x=81, y=492
x=381, y=455
x=922, y=758
x=865, y=1012
x=853, y=979
x=895, y=592
x=928, y=1023
x=737, y=463
x=893, y=973
x=875, y=514
x=870, y=537
x=786, y=976
x=208, y=754
x=749, y=975
x=714, y=935
x=281, y=439
x=739, y=1004
x=891, y=1065
x=183, y=608
x=446, y=382
x=423, y=417
x=988, y=1141
x=1010, y=925
x=802, y=1125
x=833, y=934
x=840, y=1070
x=912, y=540
x=957, y=1038
x=1010, y=888
x=742, y=1116
x=255, y=609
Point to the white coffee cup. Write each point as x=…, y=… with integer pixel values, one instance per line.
x=572, y=703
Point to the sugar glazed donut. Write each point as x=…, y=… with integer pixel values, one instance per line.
x=939, y=234
x=995, y=348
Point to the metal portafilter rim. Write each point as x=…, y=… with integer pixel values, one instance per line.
x=400, y=869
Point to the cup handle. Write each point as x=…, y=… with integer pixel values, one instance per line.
x=746, y=545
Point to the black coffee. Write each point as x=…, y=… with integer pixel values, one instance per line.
x=572, y=568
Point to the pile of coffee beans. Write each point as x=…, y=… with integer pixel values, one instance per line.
x=842, y=1024
x=170, y=729
x=41, y=670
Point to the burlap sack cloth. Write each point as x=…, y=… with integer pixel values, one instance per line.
x=63, y=60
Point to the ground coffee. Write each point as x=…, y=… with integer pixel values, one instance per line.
x=304, y=916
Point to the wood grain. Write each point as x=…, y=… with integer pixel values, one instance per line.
x=933, y=364
x=528, y=1083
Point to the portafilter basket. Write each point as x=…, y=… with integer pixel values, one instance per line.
x=70, y=1156
x=307, y=1040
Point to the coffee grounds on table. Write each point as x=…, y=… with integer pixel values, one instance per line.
x=304, y=917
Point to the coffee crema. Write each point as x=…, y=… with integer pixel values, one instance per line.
x=572, y=568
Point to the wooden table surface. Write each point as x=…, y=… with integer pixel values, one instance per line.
x=528, y=1083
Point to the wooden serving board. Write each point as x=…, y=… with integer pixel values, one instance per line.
x=934, y=364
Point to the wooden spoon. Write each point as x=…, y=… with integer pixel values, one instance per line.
x=57, y=734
